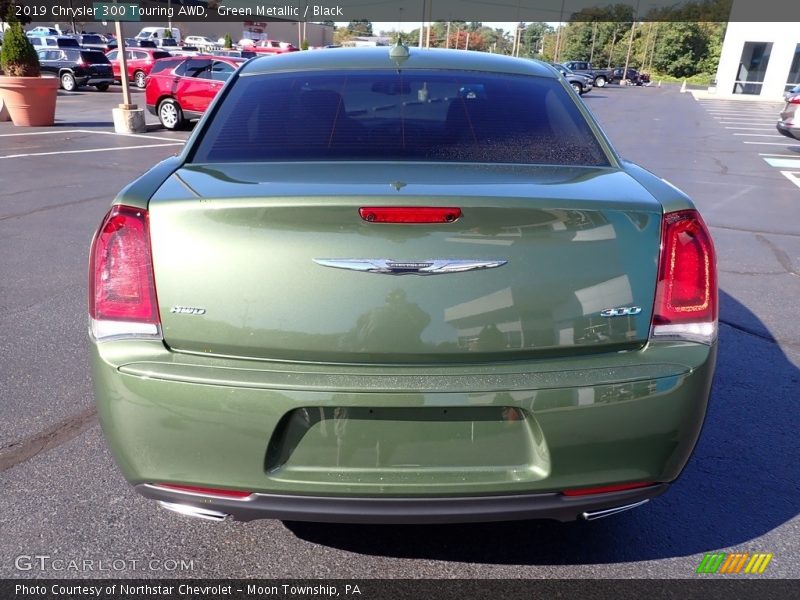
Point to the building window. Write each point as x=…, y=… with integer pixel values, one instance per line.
x=752, y=67
x=794, y=71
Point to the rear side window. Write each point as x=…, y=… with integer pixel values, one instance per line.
x=94, y=58
x=157, y=55
x=434, y=115
x=197, y=68
x=163, y=65
x=68, y=43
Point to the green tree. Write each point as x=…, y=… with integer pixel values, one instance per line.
x=360, y=27
x=6, y=10
x=228, y=41
x=18, y=57
x=533, y=39
x=681, y=49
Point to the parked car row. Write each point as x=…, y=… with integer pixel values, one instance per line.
x=580, y=83
x=601, y=77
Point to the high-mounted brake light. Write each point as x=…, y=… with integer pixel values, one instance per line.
x=686, y=302
x=409, y=214
x=122, y=291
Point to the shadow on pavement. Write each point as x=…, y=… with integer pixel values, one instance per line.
x=740, y=483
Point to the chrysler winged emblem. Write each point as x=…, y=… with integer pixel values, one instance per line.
x=387, y=266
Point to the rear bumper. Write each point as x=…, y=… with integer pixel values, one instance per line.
x=97, y=80
x=790, y=131
x=469, y=509
x=382, y=444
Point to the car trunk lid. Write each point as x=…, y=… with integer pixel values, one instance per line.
x=275, y=261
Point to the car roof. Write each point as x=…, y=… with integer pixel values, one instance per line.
x=378, y=58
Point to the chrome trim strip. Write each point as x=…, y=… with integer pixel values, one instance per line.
x=387, y=266
x=193, y=511
x=599, y=514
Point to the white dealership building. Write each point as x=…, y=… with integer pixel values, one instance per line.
x=759, y=59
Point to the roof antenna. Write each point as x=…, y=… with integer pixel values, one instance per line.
x=399, y=52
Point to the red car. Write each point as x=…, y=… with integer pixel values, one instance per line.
x=272, y=47
x=180, y=88
x=140, y=63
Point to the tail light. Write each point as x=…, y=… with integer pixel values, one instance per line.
x=686, y=303
x=606, y=489
x=795, y=99
x=205, y=491
x=122, y=291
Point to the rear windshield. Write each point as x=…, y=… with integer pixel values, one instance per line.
x=91, y=39
x=94, y=58
x=429, y=115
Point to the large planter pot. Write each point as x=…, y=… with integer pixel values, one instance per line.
x=31, y=101
x=4, y=116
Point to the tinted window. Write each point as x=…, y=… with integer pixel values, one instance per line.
x=196, y=67
x=163, y=65
x=389, y=115
x=68, y=43
x=181, y=70
x=94, y=58
x=91, y=39
x=157, y=55
x=221, y=71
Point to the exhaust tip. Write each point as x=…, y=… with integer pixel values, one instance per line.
x=600, y=514
x=193, y=511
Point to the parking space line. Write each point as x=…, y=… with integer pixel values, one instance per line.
x=43, y=132
x=753, y=128
x=784, y=144
x=776, y=154
x=759, y=134
x=794, y=177
x=135, y=135
x=784, y=163
x=90, y=150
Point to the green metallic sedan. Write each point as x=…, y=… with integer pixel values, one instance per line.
x=399, y=285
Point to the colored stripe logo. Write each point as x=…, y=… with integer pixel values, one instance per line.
x=736, y=562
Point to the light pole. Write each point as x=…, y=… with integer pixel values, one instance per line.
x=630, y=41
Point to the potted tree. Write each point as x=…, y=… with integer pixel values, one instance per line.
x=29, y=98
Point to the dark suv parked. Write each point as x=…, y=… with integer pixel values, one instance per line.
x=76, y=67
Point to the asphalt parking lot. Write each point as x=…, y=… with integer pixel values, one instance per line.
x=62, y=496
